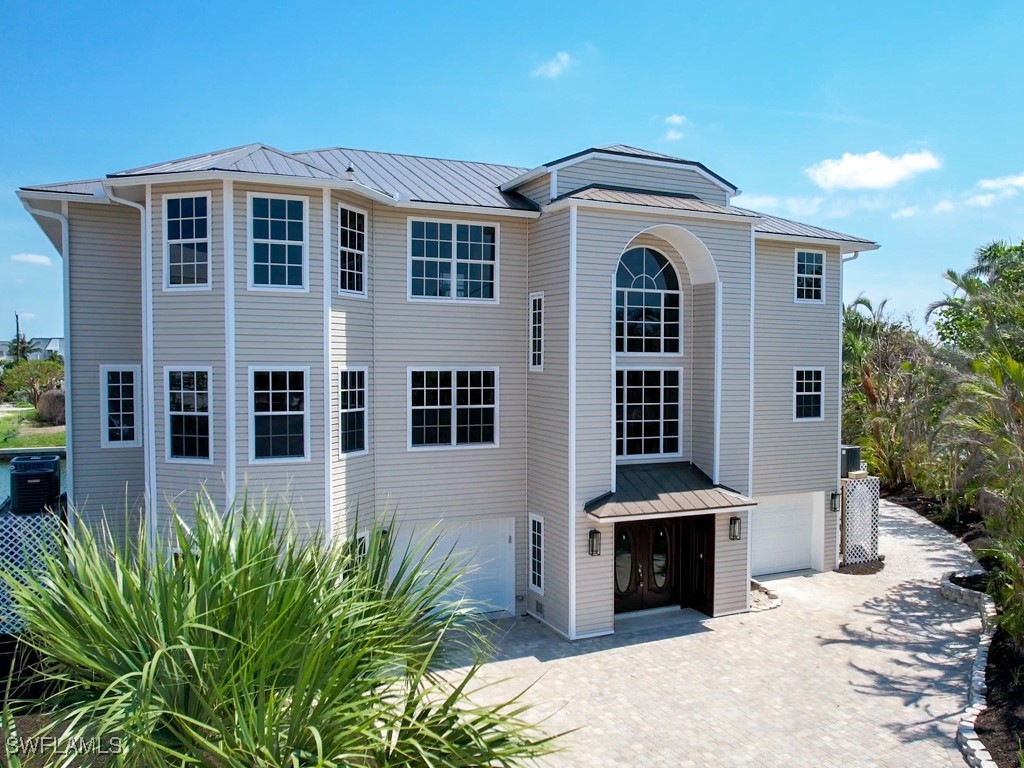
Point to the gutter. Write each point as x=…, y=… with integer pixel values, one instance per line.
x=149, y=449
x=65, y=249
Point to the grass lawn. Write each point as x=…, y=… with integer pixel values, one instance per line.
x=19, y=429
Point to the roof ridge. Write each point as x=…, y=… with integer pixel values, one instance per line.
x=291, y=156
x=197, y=156
x=404, y=154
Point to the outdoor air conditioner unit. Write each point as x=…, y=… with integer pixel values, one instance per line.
x=35, y=484
x=849, y=460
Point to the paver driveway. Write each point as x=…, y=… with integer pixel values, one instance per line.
x=849, y=671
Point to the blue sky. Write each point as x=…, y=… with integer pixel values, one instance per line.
x=897, y=122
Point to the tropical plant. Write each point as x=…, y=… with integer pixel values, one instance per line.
x=20, y=347
x=34, y=377
x=236, y=642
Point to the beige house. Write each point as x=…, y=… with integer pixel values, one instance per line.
x=610, y=389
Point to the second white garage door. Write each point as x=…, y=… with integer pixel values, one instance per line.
x=486, y=551
x=781, y=533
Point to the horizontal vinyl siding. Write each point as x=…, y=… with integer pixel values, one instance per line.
x=352, y=319
x=106, y=329
x=538, y=190
x=702, y=380
x=732, y=589
x=188, y=331
x=667, y=178
x=601, y=239
x=426, y=486
x=548, y=414
x=281, y=328
x=789, y=456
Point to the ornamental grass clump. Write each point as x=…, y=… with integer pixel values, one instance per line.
x=234, y=642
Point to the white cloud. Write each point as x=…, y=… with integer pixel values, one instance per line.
x=26, y=316
x=673, y=135
x=556, y=66
x=873, y=170
x=675, y=120
x=763, y=202
x=980, y=201
x=793, y=206
x=1003, y=182
x=943, y=206
x=32, y=258
x=906, y=213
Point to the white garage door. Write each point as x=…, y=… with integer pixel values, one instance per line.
x=780, y=533
x=486, y=551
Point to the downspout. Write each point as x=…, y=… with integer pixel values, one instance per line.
x=147, y=361
x=65, y=254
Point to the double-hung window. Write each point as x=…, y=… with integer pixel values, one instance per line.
x=536, y=554
x=188, y=414
x=537, y=331
x=277, y=242
x=352, y=410
x=808, y=394
x=119, y=406
x=187, y=241
x=453, y=260
x=351, y=251
x=647, y=404
x=280, y=420
x=453, y=407
x=810, y=276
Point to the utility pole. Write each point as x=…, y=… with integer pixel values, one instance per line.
x=17, y=337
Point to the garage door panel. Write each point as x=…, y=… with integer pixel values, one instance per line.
x=484, y=551
x=781, y=534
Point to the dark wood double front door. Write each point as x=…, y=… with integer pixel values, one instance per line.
x=665, y=562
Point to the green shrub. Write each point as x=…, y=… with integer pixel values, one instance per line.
x=236, y=643
x=51, y=407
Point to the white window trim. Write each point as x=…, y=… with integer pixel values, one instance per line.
x=365, y=252
x=529, y=553
x=168, y=369
x=682, y=299
x=305, y=413
x=821, y=395
x=649, y=458
x=453, y=446
x=304, y=288
x=105, y=442
x=208, y=285
x=366, y=410
x=796, y=274
x=453, y=299
x=529, y=359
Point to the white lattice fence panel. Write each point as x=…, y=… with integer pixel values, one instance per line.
x=860, y=520
x=24, y=539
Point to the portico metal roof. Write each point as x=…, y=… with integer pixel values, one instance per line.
x=647, y=491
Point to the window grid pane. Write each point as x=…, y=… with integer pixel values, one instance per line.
x=188, y=409
x=647, y=418
x=352, y=397
x=537, y=332
x=810, y=271
x=278, y=242
x=453, y=407
x=188, y=244
x=809, y=394
x=120, y=406
x=441, y=250
x=279, y=414
x=536, y=553
x=647, y=303
x=351, y=251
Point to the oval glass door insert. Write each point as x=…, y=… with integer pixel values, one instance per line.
x=623, y=562
x=659, y=557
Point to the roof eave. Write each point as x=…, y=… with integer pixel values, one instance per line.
x=845, y=246
x=565, y=202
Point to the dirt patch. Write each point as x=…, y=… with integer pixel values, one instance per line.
x=762, y=599
x=863, y=569
x=1001, y=725
x=31, y=429
x=977, y=581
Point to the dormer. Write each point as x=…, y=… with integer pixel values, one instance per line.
x=622, y=167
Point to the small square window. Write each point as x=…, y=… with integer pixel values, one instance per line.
x=456, y=262
x=451, y=408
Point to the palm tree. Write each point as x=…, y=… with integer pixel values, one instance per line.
x=20, y=347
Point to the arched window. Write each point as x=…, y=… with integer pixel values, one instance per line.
x=646, y=303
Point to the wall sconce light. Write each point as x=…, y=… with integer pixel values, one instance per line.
x=735, y=528
x=594, y=542
x=834, y=502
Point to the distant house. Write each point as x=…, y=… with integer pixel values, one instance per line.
x=600, y=380
x=46, y=347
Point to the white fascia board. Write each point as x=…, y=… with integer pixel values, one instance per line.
x=67, y=197
x=845, y=246
x=254, y=178
x=540, y=170
x=455, y=208
x=565, y=202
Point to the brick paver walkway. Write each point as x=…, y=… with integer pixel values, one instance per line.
x=850, y=671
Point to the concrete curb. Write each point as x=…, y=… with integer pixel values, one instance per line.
x=973, y=750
